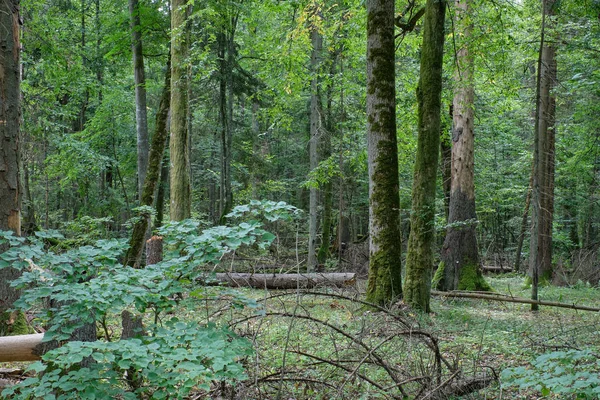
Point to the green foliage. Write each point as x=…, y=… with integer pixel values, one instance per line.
x=571, y=373
x=179, y=357
x=88, y=283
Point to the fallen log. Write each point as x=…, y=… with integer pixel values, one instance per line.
x=496, y=269
x=20, y=347
x=287, y=281
x=511, y=299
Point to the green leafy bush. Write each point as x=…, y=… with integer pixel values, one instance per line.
x=567, y=374
x=89, y=284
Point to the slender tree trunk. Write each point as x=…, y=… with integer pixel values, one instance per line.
x=162, y=190
x=419, y=258
x=180, y=189
x=10, y=117
x=460, y=256
x=140, y=94
x=446, y=164
x=524, y=224
x=325, y=150
x=384, y=285
x=540, y=261
x=313, y=144
x=157, y=149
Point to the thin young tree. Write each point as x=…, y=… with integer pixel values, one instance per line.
x=141, y=118
x=316, y=129
x=419, y=257
x=460, y=267
x=385, y=283
x=180, y=186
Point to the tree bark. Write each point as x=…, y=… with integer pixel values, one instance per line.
x=540, y=261
x=524, y=220
x=316, y=128
x=384, y=285
x=20, y=347
x=419, y=256
x=460, y=256
x=141, y=118
x=10, y=118
x=180, y=188
x=159, y=141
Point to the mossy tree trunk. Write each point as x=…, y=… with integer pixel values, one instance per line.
x=10, y=184
x=542, y=195
x=460, y=256
x=157, y=149
x=316, y=129
x=180, y=186
x=141, y=118
x=419, y=258
x=384, y=284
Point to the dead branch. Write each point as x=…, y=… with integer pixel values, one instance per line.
x=512, y=299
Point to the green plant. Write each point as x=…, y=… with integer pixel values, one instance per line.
x=89, y=284
x=571, y=373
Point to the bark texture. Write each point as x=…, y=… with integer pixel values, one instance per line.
x=542, y=196
x=159, y=141
x=141, y=118
x=460, y=256
x=180, y=185
x=419, y=258
x=384, y=285
x=10, y=116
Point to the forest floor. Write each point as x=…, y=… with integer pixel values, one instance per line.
x=316, y=341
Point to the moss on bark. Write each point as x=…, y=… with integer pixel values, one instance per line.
x=385, y=285
x=14, y=323
x=419, y=258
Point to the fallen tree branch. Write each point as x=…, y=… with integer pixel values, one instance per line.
x=20, y=347
x=287, y=281
x=512, y=299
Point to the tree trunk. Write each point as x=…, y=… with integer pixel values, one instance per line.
x=524, y=219
x=159, y=141
x=385, y=285
x=419, y=256
x=446, y=164
x=140, y=94
x=180, y=189
x=10, y=117
x=540, y=261
x=313, y=144
x=460, y=258
x=162, y=190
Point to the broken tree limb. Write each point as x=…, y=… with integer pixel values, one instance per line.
x=511, y=299
x=20, y=347
x=287, y=281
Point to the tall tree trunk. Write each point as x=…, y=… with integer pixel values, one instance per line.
x=313, y=144
x=141, y=118
x=325, y=150
x=385, y=285
x=419, y=257
x=180, y=190
x=460, y=256
x=157, y=149
x=10, y=116
x=540, y=261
